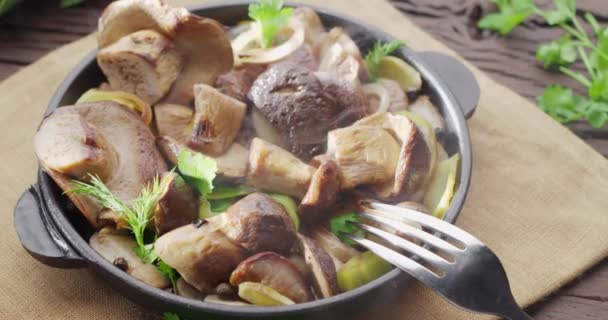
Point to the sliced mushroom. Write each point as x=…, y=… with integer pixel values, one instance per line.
x=274, y=271
x=258, y=223
x=303, y=105
x=322, y=266
x=322, y=192
x=176, y=207
x=364, y=154
x=201, y=42
x=144, y=63
x=338, y=53
x=302, y=56
x=65, y=148
x=338, y=250
x=426, y=109
x=311, y=22
x=173, y=120
x=414, y=165
x=231, y=165
x=217, y=120
x=114, y=245
x=201, y=253
x=274, y=169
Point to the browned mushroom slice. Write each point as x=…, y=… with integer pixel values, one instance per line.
x=274, y=271
x=173, y=120
x=118, y=248
x=217, y=120
x=231, y=165
x=69, y=145
x=338, y=53
x=201, y=253
x=144, y=63
x=201, y=42
x=338, y=250
x=364, y=154
x=414, y=163
x=322, y=266
x=396, y=99
x=258, y=223
x=322, y=192
x=274, y=169
x=177, y=206
x=119, y=126
x=427, y=110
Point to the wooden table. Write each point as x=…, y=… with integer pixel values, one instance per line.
x=38, y=27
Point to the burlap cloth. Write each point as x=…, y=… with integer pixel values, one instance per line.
x=538, y=195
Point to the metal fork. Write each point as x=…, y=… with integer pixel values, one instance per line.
x=462, y=270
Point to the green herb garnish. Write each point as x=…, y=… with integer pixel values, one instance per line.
x=170, y=316
x=198, y=170
x=379, y=51
x=345, y=224
x=271, y=17
x=575, y=45
x=168, y=272
x=137, y=215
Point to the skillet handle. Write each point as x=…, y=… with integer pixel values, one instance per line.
x=459, y=79
x=39, y=235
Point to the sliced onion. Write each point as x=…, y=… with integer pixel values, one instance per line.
x=277, y=53
x=379, y=91
x=244, y=39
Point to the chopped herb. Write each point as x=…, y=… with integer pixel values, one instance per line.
x=344, y=224
x=224, y=192
x=168, y=272
x=379, y=51
x=170, y=316
x=137, y=215
x=271, y=17
x=511, y=13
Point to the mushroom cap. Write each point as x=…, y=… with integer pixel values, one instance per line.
x=202, y=42
x=177, y=206
x=303, y=105
x=137, y=159
x=173, y=120
x=274, y=271
x=258, y=223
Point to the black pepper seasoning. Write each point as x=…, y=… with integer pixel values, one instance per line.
x=121, y=264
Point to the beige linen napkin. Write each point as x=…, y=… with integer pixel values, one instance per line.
x=538, y=194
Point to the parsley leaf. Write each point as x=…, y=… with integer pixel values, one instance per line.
x=564, y=11
x=70, y=3
x=137, y=215
x=170, y=316
x=562, y=104
x=599, y=57
x=168, y=272
x=598, y=90
x=343, y=224
x=561, y=52
x=198, y=170
x=271, y=18
x=511, y=13
x=597, y=116
x=379, y=51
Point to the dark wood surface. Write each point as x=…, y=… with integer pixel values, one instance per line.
x=38, y=27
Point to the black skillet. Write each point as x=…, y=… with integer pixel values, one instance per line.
x=52, y=230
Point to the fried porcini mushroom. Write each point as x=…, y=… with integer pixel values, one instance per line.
x=202, y=254
x=338, y=250
x=144, y=63
x=176, y=207
x=365, y=155
x=322, y=192
x=118, y=248
x=217, y=120
x=322, y=266
x=338, y=53
x=427, y=110
x=414, y=165
x=98, y=138
x=274, y=169
x=258, y=223
x=202, y=44
x=173, y=120
x=303, y=105
x=274, y=271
